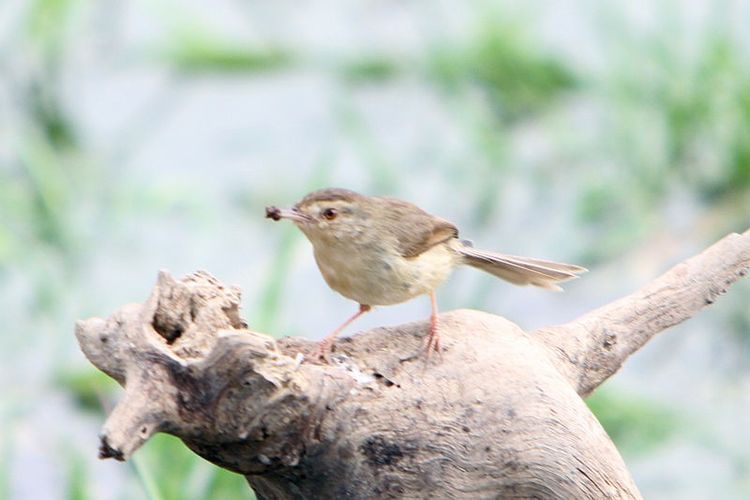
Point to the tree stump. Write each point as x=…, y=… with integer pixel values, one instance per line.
x=499, y=414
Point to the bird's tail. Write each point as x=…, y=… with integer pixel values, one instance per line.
x=521, y=270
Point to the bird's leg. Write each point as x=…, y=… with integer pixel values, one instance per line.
x=433, y=338
x=324, y=347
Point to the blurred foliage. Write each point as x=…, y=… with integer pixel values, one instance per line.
x=169, y=471
x=48, y=193
x=46, y=111
x=698, y=106
x=517, y=78
x=275, y=281
x=678, y=123
x=38, y=200
x=613, y=212
x=636, y=425
x=5, y=447
x=48, y=23
x=89, y=388
x=489, y=139
x=370, y=68
x=77, y=477
x=195, y=49
x=38, y=186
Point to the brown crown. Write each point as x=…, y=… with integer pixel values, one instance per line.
x=328, y=194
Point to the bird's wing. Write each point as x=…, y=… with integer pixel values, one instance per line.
x=415, y=230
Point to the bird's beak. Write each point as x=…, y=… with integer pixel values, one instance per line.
x=292, y=214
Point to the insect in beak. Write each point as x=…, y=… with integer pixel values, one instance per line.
x=293, y=214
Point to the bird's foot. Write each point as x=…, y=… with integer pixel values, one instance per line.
x=432, y=342
x=323, y=352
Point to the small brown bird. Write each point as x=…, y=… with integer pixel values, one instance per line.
x=381, y=251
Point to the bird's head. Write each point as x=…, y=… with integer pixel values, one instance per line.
x=327, y=215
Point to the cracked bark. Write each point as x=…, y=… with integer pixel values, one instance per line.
x=500, y=415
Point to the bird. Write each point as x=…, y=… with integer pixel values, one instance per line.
x=380, y=251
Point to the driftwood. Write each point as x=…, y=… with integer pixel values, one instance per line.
x=499, y=415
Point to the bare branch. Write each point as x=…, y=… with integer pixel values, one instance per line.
x=593, y=347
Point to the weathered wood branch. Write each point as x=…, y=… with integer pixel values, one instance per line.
x=593, y=347
x=500, y=415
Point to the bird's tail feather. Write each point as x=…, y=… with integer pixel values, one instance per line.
x=521, y=270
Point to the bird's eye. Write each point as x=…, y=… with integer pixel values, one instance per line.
x=329, y=213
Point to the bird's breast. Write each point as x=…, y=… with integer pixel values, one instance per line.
x=378, y=276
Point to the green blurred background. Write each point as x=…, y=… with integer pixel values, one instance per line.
x=143, y=135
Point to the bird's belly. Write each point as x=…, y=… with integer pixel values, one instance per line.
x=385, y=279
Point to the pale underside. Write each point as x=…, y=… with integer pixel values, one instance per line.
x=379, y=278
